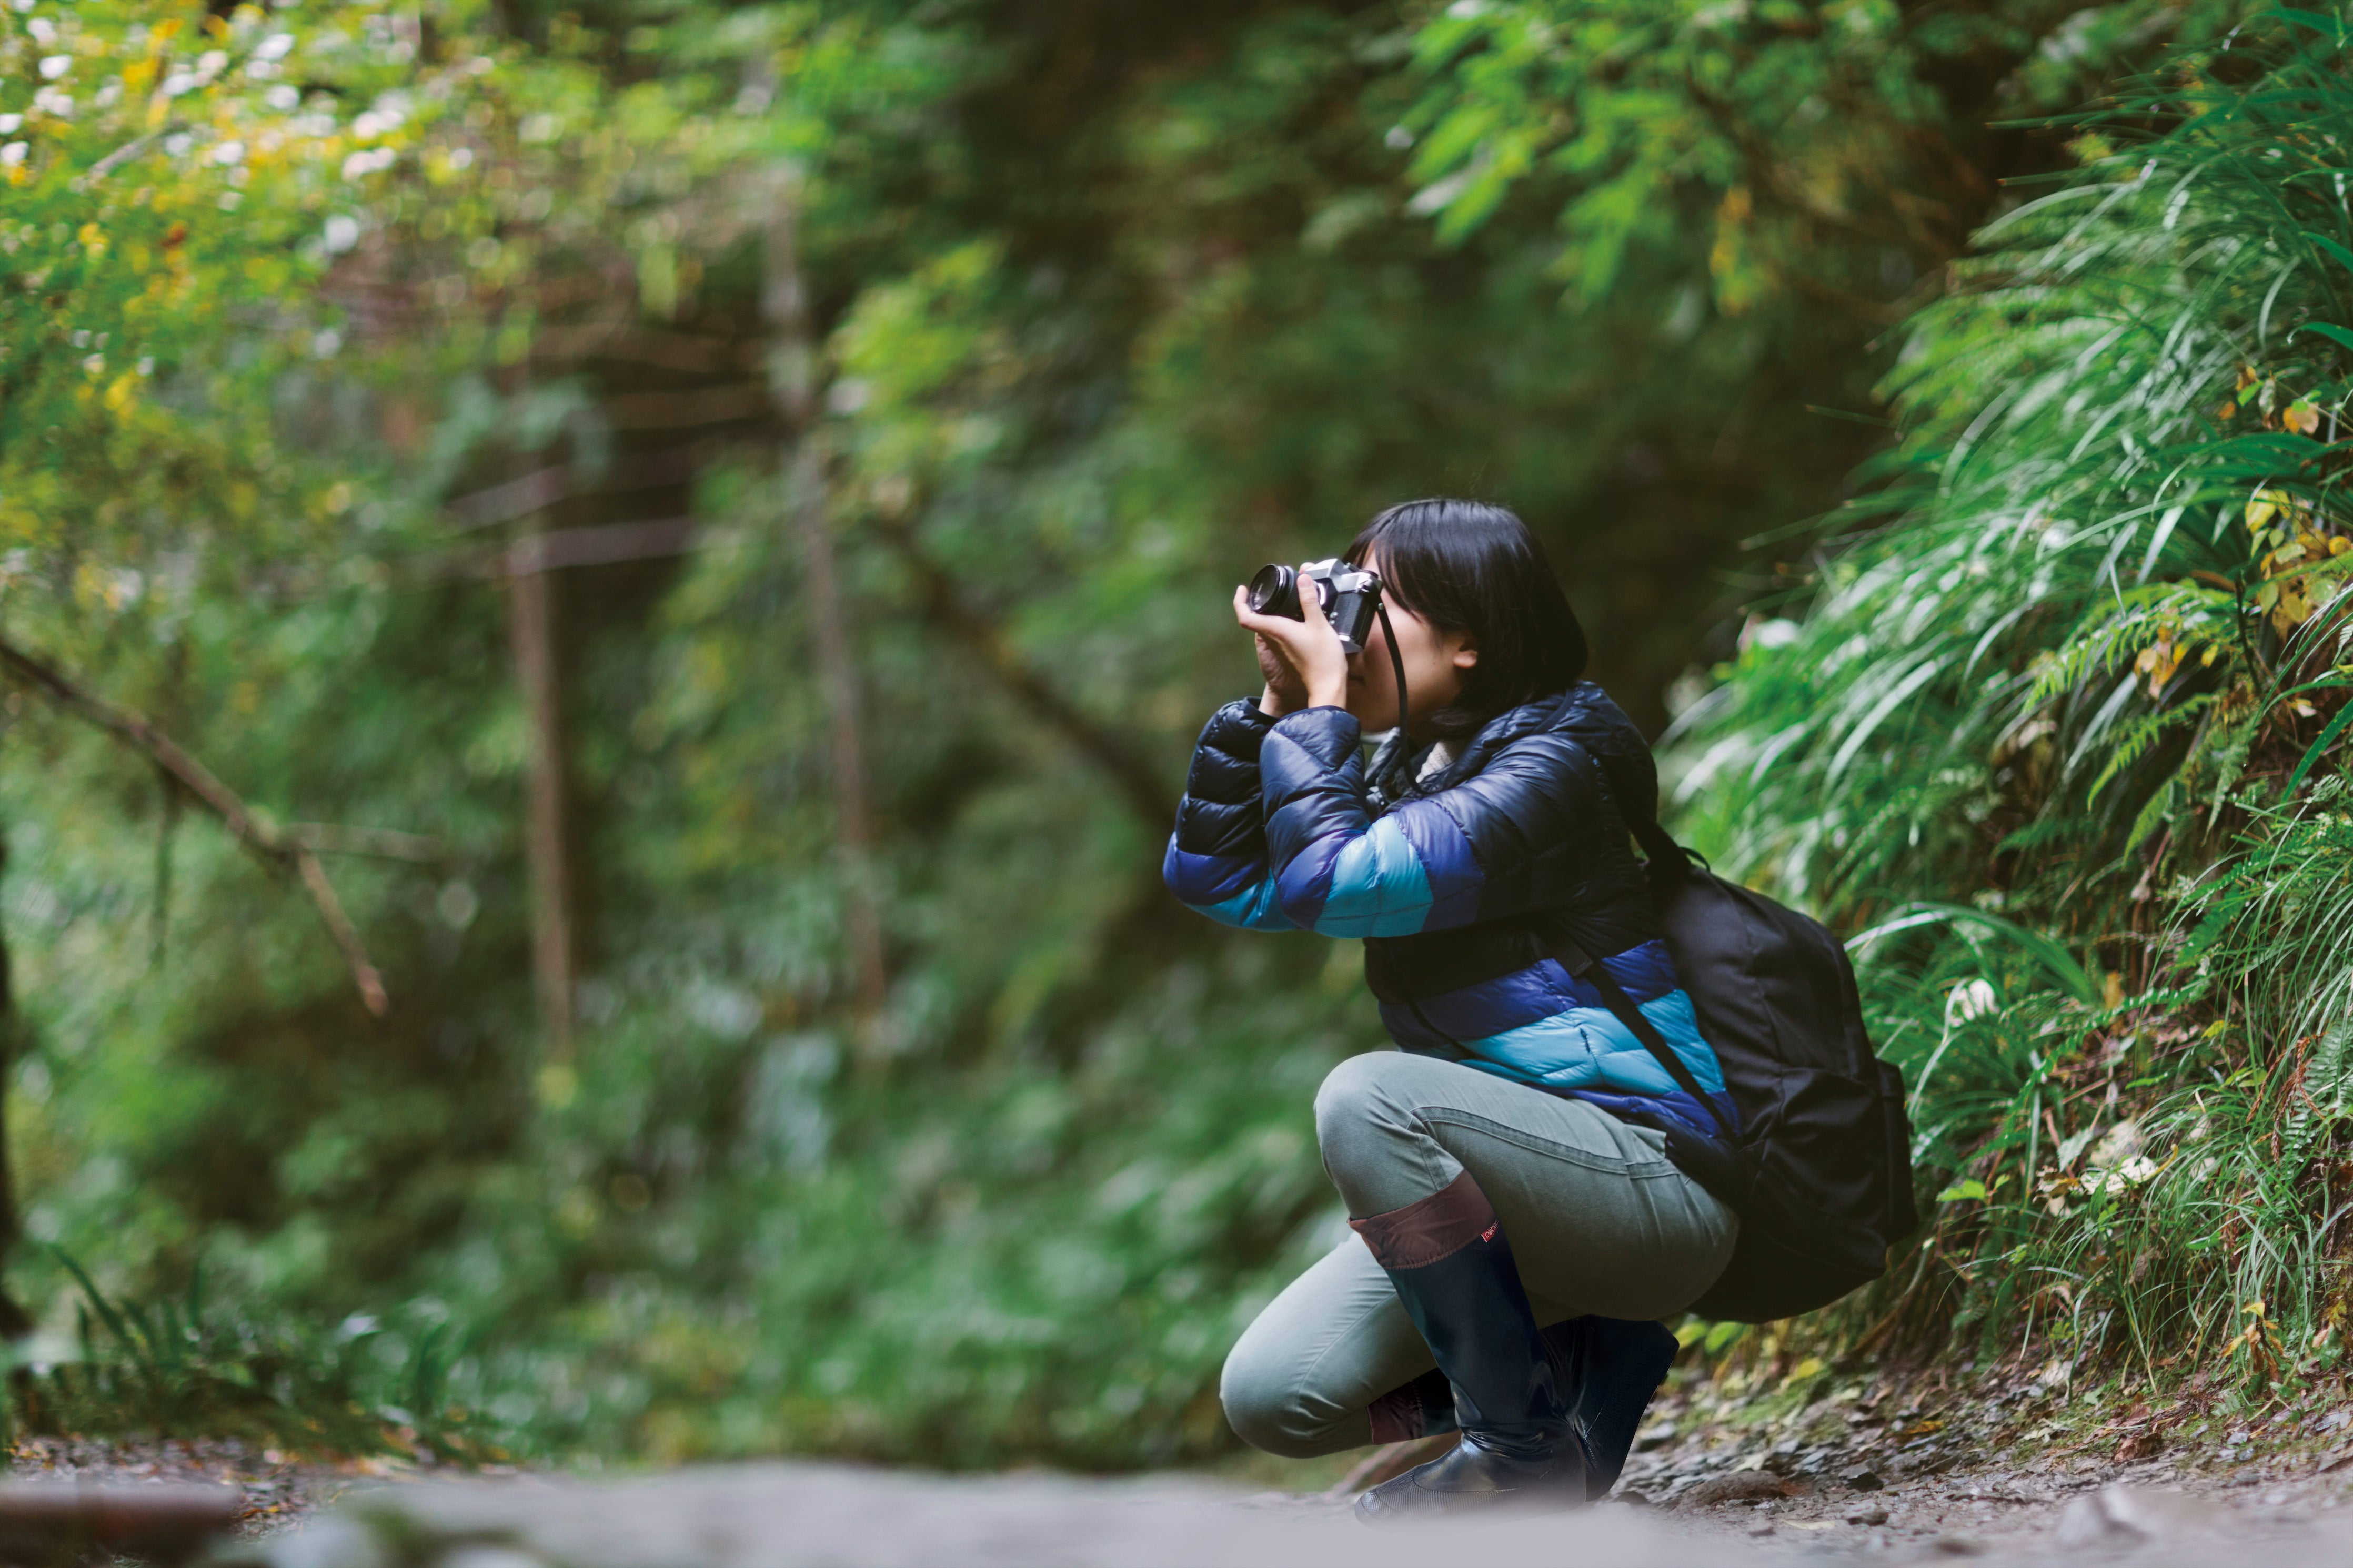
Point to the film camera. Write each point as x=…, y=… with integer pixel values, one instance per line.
x=1348, y=596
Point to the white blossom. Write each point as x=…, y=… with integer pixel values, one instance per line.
x=1970, y=999
x=368, y=163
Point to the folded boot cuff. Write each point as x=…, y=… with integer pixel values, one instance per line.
x=1435, y=1227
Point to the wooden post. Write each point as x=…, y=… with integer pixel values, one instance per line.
x=793, y=383
x=531, y=627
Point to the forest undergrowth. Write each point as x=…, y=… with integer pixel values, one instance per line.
x=2059, y=740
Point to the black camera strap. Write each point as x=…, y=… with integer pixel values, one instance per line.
x=1397, y=663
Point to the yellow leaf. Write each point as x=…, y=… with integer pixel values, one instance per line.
x=2266, y=505
x=2294, y=608
x=2301, y=417
x=2340, y=545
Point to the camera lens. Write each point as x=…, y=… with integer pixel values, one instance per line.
x=1275, y=592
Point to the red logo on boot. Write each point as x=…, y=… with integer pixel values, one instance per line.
x=1489, y=1233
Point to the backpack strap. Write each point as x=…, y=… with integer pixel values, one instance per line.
x=1577, y=962
x=1665, y=860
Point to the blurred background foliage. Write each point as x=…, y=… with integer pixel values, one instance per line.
x=685, y=546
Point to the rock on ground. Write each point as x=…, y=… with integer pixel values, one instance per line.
x=826, y=1516
x=276, y=1489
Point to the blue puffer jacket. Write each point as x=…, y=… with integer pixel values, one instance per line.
x=1461, y=889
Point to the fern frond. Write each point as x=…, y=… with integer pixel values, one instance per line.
x=2141, y=734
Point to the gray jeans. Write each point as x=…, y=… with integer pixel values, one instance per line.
x=1600, y=1222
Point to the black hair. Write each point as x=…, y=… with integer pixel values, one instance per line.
x=1467, y=566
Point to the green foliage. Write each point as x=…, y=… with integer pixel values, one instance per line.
x=1822, y=150
x=2077, y=678
x=1047, y=1256
x=174, y=1368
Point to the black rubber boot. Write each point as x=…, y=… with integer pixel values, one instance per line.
x=1611, y=1368
x=1606, y=1368
x=1451, y=1265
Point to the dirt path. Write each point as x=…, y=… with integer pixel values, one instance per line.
x=2011, y=1459
x=2007, y=1463
x=816, y=1516
x=2008, y=1469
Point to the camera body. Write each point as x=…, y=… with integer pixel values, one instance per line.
x=1348, y=596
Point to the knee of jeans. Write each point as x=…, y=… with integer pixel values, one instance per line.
x=1262, y=1410
x=1356, y=1099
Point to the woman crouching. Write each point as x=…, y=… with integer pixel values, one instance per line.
x=1519, y=1228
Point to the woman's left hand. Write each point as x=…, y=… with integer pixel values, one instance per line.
x=1309, y=647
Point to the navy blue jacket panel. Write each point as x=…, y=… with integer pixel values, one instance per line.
x=1462, y=888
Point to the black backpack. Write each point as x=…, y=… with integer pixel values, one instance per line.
x=1820, y=1174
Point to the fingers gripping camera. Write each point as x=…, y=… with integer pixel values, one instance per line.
x=1349, y=597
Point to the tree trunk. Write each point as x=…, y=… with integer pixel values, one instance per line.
x=531, y=625
x=14, y=1322
x=791, y=374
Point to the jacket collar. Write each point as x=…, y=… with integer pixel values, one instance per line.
x=1516, y=724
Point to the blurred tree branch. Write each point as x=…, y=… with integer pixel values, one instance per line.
x=1139, y=784
x=278, y=849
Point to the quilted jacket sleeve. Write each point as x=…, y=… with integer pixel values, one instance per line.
x=1520, y=832
x=1216, y=858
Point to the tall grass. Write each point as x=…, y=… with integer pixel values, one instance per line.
x=2056, y=734
x=181, y=1366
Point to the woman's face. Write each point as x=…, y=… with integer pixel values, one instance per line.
x=1436, y=665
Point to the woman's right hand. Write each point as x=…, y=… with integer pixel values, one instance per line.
x=1305, y=662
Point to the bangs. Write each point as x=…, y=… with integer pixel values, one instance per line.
x=1473, y=568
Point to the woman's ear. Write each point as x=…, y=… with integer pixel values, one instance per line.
x=1465, y=654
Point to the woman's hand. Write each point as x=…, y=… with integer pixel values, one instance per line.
x=1307, y=653
x=1285, y=691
